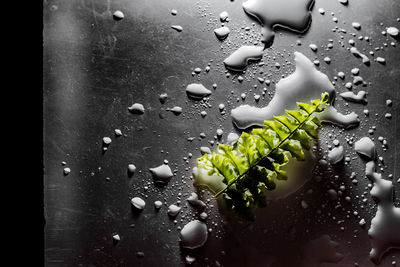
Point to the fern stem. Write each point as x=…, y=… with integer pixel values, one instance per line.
x=270, y=152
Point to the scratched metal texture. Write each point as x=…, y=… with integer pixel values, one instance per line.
x=95, y=68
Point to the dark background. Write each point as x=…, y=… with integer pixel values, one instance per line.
x=94, y=68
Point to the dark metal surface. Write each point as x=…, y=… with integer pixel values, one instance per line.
x=96, y=67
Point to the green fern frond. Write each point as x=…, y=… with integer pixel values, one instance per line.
x=256, y=160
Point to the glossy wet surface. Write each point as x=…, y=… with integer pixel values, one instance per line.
x=96, y=67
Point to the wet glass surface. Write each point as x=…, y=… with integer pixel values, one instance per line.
x=97, y=66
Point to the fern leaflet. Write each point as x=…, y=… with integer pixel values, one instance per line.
x=256, y=160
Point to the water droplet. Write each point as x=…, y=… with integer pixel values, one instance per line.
x=238, y=60
x=313, y=47
x=131, y=169
x=163, y=98
x=365, y=146
x=392, y=31
x=118, y=15
x=116, y=237
x=107, y=140
x=136, y=108
x=197, y=91
x=175, y=110
x=173, y=210
x=157, y=204
x=177, y=28
x=332, y=194
x=358, y=54
x=293, y=15
x=319, y=250
x=189, y=260
x=232, y=138
x=117, y=132
x=203, y=215
x=138, y=203
x=336, y=155
x=358, y=98
x=222, y=32
x=161, y=174
x=66, y=171
x=384, y=232
x=223, y=16
x=304, y=84
x=356, y=25
x=194, y=234
x=381, y=60
x=194, y=200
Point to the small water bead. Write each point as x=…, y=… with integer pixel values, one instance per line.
x=173, y=210
x=355, y=71
x=380, y=60
x=163, y=98
x=177, y=28
x=197, y=91
x=336, y=142
x=131, y=169
x=304, y=204
x=336, y=155
x=117, y=132
x=223, y=16
x=357, y=80
x=66, y=171
x=138, y=203
x=392, y=31
x=189, y=260
x=313, y=47
x=157, y=204
x=176, y=110
x=116, y=237
x=222, y=33
x=203, y=215
x=356, y=25
x=136, y=108
x=332, y=194
x=118, y=15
